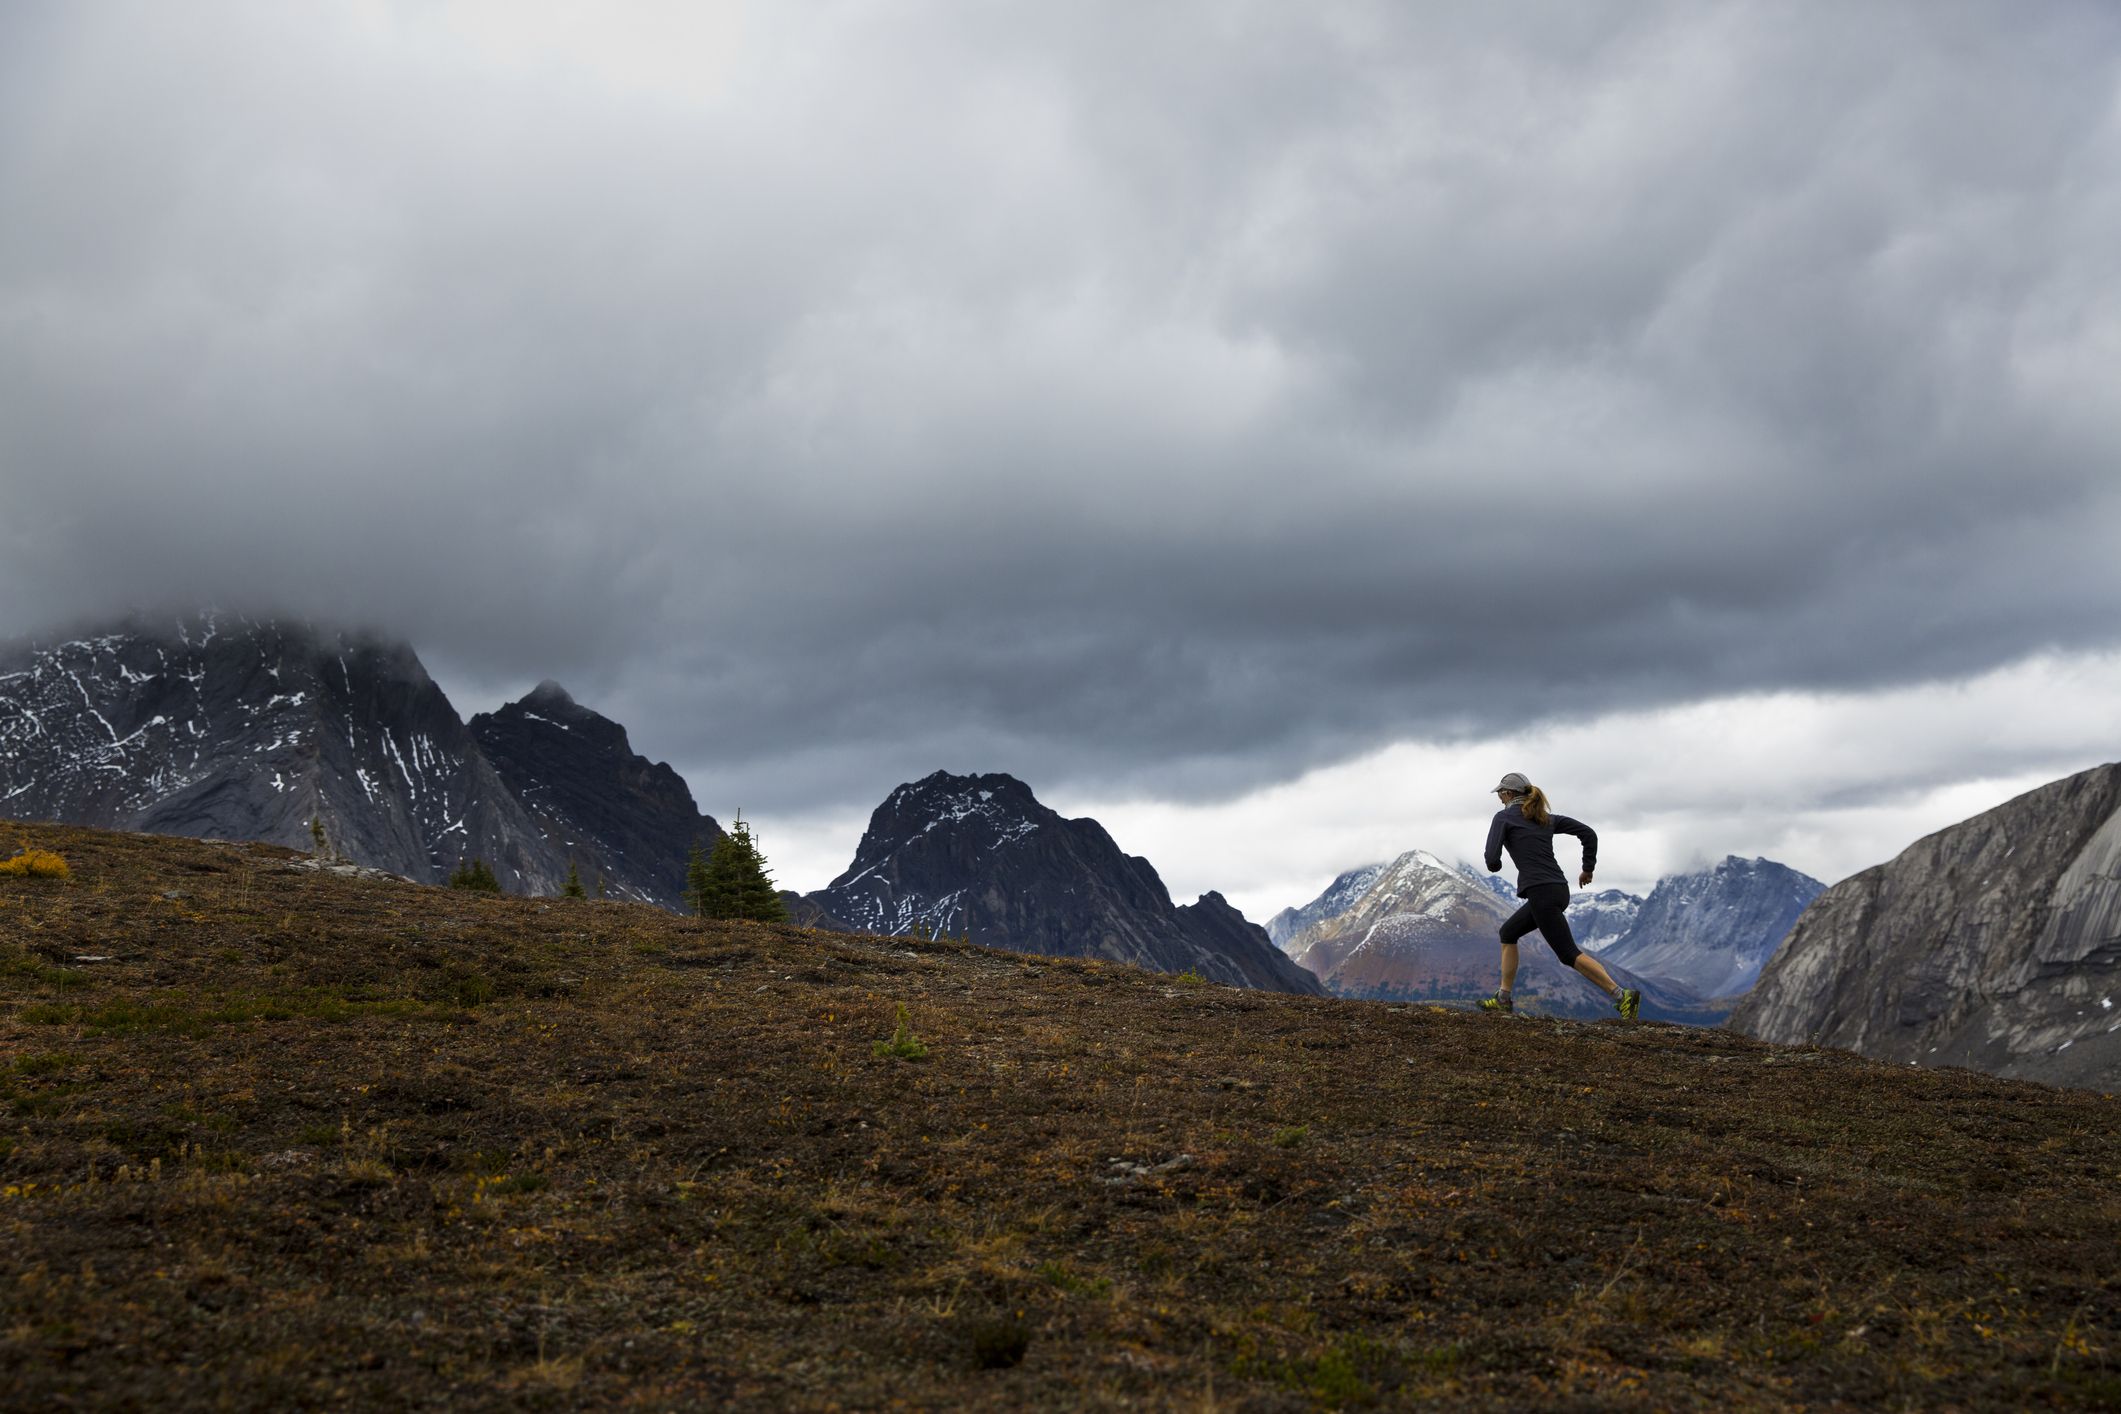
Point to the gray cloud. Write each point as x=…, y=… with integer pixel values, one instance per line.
x=1162, y=400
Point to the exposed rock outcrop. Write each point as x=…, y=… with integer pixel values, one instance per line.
x=1994, y=944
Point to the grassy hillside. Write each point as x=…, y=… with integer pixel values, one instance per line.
x=305, y=1138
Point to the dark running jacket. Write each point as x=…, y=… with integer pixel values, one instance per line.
x=1531, y=847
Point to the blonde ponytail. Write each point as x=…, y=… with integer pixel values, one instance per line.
x=1535, y=807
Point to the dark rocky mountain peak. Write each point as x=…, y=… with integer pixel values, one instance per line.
x=549, y=692
x=980, y=854
x=597, y=803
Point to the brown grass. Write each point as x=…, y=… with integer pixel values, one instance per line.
x=303, y=1139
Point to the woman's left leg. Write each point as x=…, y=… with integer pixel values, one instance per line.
x=1592, y=968
x=1554, y=927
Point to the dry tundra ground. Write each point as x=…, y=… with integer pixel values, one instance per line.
x=302, y=1139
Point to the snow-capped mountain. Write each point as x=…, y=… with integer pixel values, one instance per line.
x=234, y=728
x=615, y=814
x=981, y=855
x=1416, y=915
x=1339, y=897
x=1599, y=920
x=1712, y=931
x=1495, y=884
x=1994, y=944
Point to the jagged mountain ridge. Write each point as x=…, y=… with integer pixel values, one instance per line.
x=981, y=855
x=221, y=726
x=1994, y=944
x=1601, y=919
x=1712, y=930
x=610, y=811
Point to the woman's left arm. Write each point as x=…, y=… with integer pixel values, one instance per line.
x=1565, y=826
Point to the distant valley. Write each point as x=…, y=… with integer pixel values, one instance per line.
x=1419, y=928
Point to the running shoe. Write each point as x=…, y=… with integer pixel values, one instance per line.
x=1629, y=1002
x=1501, y=1001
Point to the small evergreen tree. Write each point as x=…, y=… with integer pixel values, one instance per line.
x=316, y=834
x=736, y=883
x=474, y=876
x=574, y=887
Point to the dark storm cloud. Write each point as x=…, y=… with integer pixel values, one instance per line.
x=1167, y=398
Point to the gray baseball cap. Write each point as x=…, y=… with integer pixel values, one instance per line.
x=1513, y=783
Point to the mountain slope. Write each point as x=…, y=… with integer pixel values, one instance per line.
x=1994, y=944
x=429, y=1150
x=235, y=728
x=980, y=854
x=614, y=813
x=1340, y=896
x=1713, y=930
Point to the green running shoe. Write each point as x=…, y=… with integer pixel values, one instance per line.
x=1501, y=1001
x=1629, y=1003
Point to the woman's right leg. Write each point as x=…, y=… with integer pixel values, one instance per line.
x=1523, y=921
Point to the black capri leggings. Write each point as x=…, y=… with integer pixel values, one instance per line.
x=1543, y=905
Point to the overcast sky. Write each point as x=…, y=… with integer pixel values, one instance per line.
x=1259, y=425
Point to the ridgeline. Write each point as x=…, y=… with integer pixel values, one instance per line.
x=280, y=1134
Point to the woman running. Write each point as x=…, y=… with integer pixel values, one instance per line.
x=1525, y=826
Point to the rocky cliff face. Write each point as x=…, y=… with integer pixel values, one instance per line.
x=226, y=727
x=614, y=813
x=981, y=855
x=1713, y=930
x=1995, y=944
x=1421, y=929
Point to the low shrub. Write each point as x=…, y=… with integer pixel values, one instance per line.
x=35, y=864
